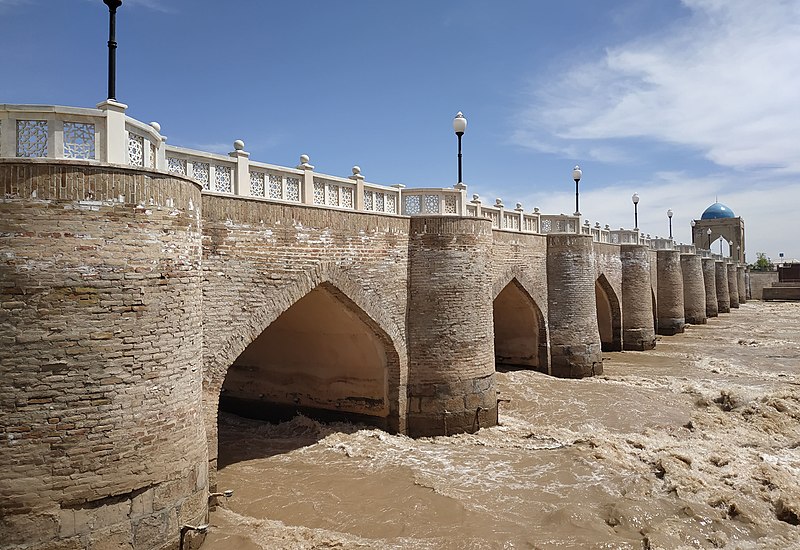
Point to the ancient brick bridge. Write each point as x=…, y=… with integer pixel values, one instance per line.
x=135, y=303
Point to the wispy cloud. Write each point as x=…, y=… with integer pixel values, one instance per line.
x=723, y=81
x=6, y=4
x=165, y=6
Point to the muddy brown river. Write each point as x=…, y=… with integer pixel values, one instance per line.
x=695, y=444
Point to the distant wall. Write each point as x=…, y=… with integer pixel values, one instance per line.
x=760, y=279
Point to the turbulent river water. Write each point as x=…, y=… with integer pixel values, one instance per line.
x=695, y=444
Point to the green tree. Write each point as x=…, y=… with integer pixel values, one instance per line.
x=762, y=263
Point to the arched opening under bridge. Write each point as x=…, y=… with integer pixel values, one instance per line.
x=609, y=316
x=520, y=332
x=323, y=357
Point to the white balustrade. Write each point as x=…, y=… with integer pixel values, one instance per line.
x=432, y=201
x=560, y=223
x=106, y=135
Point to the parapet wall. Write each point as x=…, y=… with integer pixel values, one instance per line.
x=101, y=433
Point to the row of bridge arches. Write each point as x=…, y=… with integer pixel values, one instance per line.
x=325, y=355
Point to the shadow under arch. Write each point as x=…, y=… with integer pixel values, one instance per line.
x=520, y=330
x=609, y=315
x=655, y=310
x=333, y=291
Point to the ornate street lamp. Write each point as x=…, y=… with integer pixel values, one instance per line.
x=669, y=215
x=460, y=126
x=576, y=175
x=635, y=199
x=112, y=46
x=709, y=238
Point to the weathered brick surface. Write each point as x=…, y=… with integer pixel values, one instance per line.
x=260, y=258
x=670, y=315
x=100, y=371
x=637, y=301
x=740, y=283
x=694, y=290
x=710, y=284
x=575, y=346
x=450, y=335
x=518, y=259
x=733, y=284
x=608, y=276
x=721, y=282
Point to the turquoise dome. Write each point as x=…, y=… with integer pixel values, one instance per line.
x=716, y=211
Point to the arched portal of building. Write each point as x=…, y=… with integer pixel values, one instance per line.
x=520, y=333
x=322, y=357
x=609, y=318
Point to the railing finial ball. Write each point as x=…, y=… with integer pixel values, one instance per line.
x=238, y=145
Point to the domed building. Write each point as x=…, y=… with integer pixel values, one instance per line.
x=719, y=221
x=717, y=211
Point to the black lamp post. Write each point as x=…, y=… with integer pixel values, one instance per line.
x=669, y=215
x=112, y=46
x=694, y=239
x=576, y=175
x=709, y=238
x=460, y=126
x=635, y=199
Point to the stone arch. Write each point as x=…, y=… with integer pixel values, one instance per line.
x=609, y=316
x=217, y=361
x=340, y=287
x=521, y=338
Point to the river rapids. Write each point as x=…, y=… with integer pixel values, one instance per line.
x=695, y=444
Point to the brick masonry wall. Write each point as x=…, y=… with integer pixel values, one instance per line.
x=608, y=266
x=101, y=437
x=721, y=278
x=523, y=258
x=670, y=315
x=710, y=284
x=259, y=258
x=733, y=284
x=450, y=331
x=694, y=290
x=574, y=338
x=740, y=283
x=637, y=302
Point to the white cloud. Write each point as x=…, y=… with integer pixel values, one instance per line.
x=723, y=81
x=769, y=210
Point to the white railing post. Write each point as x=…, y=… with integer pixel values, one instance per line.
x=308, y=180
x=358, y=200
x=116, y=139
x=476, y=200
x=241, y=182
x=161, y=153
x=501, y=213
x=8, y=134
x=461, y=207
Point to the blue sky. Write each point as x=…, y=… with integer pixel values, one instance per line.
x=680, y=101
